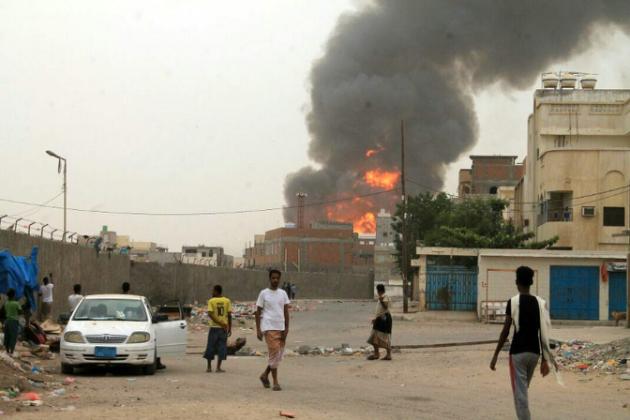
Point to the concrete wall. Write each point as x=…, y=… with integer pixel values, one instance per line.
x=70, y=264
x=189, y=283
x=496, y=279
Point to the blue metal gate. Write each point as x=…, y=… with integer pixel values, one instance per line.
x=452, y=288
x=617, y=292
x=574, y=292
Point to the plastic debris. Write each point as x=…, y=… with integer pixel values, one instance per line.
x=30, y=396
x=58, y=392
x=587, y=357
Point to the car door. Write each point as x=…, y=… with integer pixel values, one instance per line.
x=171, y=335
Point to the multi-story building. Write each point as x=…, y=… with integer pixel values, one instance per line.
x=386, y=269
x=323, y=246
x=577, y=168
x=212, y=256
x=488, y=174
x=254, y=252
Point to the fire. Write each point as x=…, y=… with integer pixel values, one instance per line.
x=381, y=179
x=371, y=152
x=365, y=223
x=358, y=211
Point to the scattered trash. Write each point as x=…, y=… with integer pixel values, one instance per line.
x=131, y=379
x=30, y=396
x=69, y=380
x=68, y=408
x=587, y=357
x=58, y=392
x=347, y=351
x=32, y=403
x=287, y=414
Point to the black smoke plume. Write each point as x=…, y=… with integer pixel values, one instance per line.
x=421, y=61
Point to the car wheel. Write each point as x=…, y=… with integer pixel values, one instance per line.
x=67, y=369
x=150, y=369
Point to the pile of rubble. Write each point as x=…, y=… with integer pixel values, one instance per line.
x=343, y=350
x=587, y=357
x=25, y=382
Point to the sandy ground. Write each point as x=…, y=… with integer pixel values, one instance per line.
x=453, y=383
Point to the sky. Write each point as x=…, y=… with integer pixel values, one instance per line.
x=189, y=106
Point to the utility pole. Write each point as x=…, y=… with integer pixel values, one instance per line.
x=403, y=240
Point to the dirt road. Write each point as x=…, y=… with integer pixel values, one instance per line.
x=453, y=383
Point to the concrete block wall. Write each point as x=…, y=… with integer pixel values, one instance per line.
x=70, y=264
x=187, y=283
x=190, y=283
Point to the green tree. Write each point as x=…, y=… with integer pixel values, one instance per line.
x=437, y=220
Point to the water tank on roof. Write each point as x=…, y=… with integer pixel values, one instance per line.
x=568, y=80
x=588, y=81
x=550, y=80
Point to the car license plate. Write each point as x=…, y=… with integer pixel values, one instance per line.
x=105, y=352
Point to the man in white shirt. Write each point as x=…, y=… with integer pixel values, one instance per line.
x=46, y=292
x=75, y=298
x=272, y=322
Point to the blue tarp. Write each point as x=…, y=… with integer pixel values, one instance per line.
x=19, y=273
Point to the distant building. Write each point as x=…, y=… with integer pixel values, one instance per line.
x=489, y=173
x=254, y=252
x=321, y=247
x=386, y=269
x=577, y=168
x=211, y=256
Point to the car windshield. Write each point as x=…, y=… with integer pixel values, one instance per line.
x=110, y=310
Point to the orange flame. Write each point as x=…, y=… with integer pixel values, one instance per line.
x=356, y=212
x=371, y=152
x=381, y=179
x=365, y=223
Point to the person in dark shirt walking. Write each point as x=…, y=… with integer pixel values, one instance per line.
x=530, y=340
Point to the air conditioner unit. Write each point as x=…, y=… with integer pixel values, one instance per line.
x=588, y=211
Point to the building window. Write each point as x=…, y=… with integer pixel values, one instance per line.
x=614, y=216
x=564, y=109
x=606, y=109
x=560, y=141
x=493, y=190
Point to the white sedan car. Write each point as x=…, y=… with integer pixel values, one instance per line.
x=119, y=330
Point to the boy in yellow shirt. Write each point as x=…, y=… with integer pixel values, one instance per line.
x=220, y=314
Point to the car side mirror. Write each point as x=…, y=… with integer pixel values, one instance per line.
x=159, y=318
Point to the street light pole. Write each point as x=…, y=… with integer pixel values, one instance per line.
x=65, y=185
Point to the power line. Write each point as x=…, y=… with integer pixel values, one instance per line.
x=573, y=204
x=623, y=187
x=36, y=208
x=206, y=213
